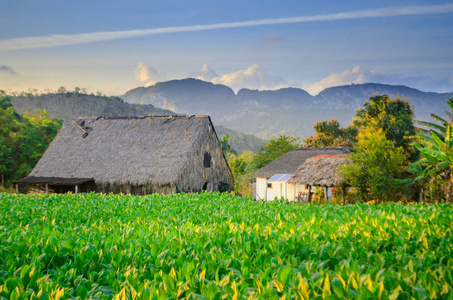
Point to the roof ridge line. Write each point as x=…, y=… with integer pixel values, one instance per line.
x=142, y=117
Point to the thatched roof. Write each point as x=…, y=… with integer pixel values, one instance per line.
x=320, y=171
x=152, y=150
x=289, y=162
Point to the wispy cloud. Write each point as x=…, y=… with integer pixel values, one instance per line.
x=84, y=38
x=7, y=70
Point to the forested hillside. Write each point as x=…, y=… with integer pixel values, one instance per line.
x=67, y=104
x=287, y=111
x=240, y=141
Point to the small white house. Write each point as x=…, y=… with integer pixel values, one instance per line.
x=272, y=179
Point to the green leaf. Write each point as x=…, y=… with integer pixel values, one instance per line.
x=422, y=292
x=284, y=275
x=437, y=139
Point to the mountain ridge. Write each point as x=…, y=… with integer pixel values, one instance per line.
x=269, y=113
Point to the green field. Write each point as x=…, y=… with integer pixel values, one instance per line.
x=217, y=246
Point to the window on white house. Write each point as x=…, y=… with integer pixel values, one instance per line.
x=269, y=185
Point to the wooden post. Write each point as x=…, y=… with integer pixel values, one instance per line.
x=343, y=194
x=295, y=188
x=309, y=193
x=326, y=190
x=47, y=189
x=17, y=188
x=76, y=189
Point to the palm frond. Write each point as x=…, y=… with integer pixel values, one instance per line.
x=450, y=103
x=432, y=126
x=439, y=119
x=450, y=115
x=437, y=139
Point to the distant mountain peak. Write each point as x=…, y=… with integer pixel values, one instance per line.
x=269, y=113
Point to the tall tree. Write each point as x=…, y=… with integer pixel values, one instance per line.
x=394, y=117
x=276, y=148
x=329, y=133
x=376, y=167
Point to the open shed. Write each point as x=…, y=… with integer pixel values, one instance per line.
x=321, y=171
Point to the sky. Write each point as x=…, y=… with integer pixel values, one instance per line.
x=113, y=46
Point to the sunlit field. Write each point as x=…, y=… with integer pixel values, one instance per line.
x=217, y=246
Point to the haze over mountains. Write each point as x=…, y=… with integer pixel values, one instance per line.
x=265, y=114
x=284, y=111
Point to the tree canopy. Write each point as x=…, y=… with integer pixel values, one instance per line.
x=329, y=133
x=394, y=117
x=23, y=140
x=376, y=167
x=275, y=148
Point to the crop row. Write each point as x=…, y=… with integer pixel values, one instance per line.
x=216, y=245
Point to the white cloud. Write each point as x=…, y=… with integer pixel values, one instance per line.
x=361, y=75
x=254, y=77
x=205, y=73
x=92, y=37
x=356, y=75
x=148, y=75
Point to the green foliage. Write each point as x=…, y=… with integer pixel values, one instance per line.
x=376, y=167
x=436, y=150
x=394, y=117
x=23, y=140
x=276, y=148
x=243, y=169
x=440, y=127
x=158, y=247
x=329, y=134
x=240, y=141
x=225, y=145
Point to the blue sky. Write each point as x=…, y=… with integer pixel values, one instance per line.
x=113, y=46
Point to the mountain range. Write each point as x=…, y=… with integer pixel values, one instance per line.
x=290, y=111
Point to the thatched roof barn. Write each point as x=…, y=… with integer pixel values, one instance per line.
x=289, y=162
x=138, y=155
x=320, y=170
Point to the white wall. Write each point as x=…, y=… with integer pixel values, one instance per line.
x=277, y=190
x=264, y=193
x=261, y=186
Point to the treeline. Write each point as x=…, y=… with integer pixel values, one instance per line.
x=391, y=159
x=60, y=90
x=23, y=140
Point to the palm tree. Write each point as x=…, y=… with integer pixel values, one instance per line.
x=436, y=149
x=439, y=129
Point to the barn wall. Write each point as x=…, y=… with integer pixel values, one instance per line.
x=194, y=175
